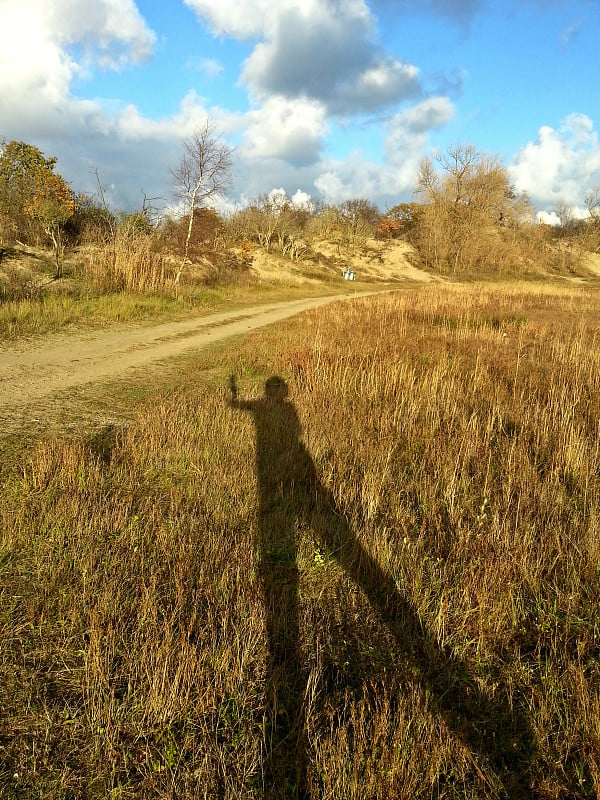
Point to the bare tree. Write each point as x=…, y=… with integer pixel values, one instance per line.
x=565, y=215
x=204, y=172
x=469, y=207
x=359, y=217
x=428, y=182
x=264, y=215
x=592, y=203
x=459, y=164
x=591, y=227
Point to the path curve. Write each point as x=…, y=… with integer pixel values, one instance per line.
x=31, y=372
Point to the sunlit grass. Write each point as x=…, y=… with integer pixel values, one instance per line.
x=457, y=433
x=55, y=312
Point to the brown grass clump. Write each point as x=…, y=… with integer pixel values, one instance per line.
x=128, y=263
x=401, y=604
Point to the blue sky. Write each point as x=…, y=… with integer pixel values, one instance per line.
x=330, y=98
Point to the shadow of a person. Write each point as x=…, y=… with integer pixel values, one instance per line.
x=284, y=470
x=290, y=490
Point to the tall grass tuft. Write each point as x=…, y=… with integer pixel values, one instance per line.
x=128, y=262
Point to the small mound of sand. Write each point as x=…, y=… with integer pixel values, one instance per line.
x=373, y=260
x=274, y=268
x=591, y=261
x=25, y=268
x=390, y=261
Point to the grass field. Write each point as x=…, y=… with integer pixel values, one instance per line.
x=367, y=567
x=51, y=313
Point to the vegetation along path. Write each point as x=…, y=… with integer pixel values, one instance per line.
x=31, y=372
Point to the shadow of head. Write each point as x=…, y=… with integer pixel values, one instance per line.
x=276, y=389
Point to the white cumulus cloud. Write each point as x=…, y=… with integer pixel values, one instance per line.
x=232, y=18
x=254, y=18
x=36, y=38
x=44, y=47
x=325, y=50
x=563, y=164
x=313, y=65
x=286, y=129
x=405, y=144
x=358, y=177
x=302, y=200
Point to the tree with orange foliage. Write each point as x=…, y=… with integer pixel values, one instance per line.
x=30, y=190
x=52, y=204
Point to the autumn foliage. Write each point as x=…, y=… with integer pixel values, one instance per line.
x=52, y=204
x=31, y=190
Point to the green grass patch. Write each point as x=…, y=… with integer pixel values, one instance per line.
x=54, y=312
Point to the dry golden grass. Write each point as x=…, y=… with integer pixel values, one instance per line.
x=129, y=263
x=442, y=632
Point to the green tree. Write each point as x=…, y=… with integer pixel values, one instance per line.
x=20, y=166
x=92, y=222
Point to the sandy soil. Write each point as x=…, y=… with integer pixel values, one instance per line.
x=388, y=260
x=592, y=262
x=371, y=260
x=31, y=374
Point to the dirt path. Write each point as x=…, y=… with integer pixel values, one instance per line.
x=30, y=374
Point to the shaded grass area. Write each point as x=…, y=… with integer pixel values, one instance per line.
x=384, y=584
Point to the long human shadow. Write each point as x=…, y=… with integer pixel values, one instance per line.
x=289, y=490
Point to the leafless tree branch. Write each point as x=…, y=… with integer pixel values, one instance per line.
x=203, y=172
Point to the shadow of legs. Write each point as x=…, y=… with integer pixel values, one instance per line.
x=491, y=727
x=284, y=765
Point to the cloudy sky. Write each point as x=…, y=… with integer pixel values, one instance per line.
x=335, y=98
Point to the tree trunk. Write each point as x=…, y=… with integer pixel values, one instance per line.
x=54, y=233
x=189, y=235
x=189, y=232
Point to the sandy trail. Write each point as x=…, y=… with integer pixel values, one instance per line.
x=30, y=374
